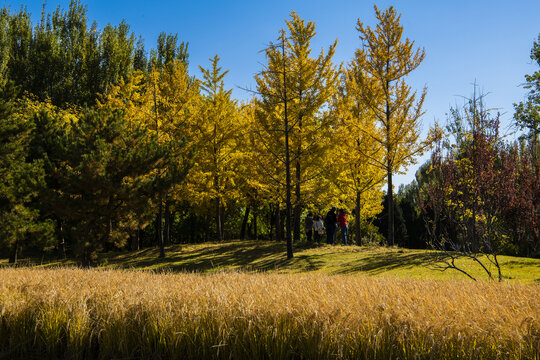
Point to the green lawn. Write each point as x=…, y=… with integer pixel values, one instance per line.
x=270, y=256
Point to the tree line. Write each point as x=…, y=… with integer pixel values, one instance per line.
x=108, y=146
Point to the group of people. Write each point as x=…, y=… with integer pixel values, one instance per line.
x=314, y=226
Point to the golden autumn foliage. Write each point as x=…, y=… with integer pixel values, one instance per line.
x=299, y=137
x=214, y=177
x=293, y=90
x=96, y=180
x=382, y=65
x=166, y=101
x=357, y=177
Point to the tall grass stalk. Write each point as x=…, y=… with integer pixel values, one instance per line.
x=87, y=314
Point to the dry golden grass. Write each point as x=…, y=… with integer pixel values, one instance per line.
x=73, y=313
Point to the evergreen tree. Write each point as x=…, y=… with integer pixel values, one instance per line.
x=19, y=43
x=20, y=179
x=107, y=177
x=47, y=145
x=64, y=59
x=168, y=50
x=4, y=42
x=117, y=54
x=167, y=102
x=527, y=113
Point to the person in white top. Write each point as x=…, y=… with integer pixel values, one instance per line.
x=318, y=228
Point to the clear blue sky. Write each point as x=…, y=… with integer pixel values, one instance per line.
x=465, y=41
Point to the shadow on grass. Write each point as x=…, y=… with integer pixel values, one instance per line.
x=519, y=263
x=271, y=256
x=380, y=262
x=242, y=255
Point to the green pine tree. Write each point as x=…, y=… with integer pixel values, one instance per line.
x=20, y=179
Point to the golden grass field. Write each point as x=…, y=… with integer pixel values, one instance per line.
x=82, y=314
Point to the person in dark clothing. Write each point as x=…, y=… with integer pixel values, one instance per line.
x=308, y=226
x=331, y=224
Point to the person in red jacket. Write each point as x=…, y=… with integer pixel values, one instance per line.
x=342, y=220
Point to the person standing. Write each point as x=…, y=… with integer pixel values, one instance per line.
x=342, y=220
x=331, y=223
x=308, y=226
x=318, y=228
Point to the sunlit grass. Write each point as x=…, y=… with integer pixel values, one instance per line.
x=270, y=257
x=73, y=313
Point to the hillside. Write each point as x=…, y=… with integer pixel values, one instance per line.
x=270, y=257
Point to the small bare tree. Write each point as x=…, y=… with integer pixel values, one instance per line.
x=463, y=200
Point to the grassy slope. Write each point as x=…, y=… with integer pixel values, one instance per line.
x=270, y=256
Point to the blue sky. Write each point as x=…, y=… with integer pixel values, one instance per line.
x=465, y=41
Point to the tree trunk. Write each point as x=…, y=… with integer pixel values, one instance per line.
x=222, y=219
x=136, y=240
x=61, y=241
x=244, y=224
x=279, y=233
x=219, y=232
x=14, y=252
x=283, y=215
x=87, y=254
x=160, y=196
x=390, y=195
x=207, y=229
x=358, y=221
x=249, y=230
x=167, y=230
x=159, y=227
x=255, y=230
x=390, y=192
x=288, y=234
x=475, y=242
x=271, y=221
x=297, y=223
x=192, y=235
x=297, y=206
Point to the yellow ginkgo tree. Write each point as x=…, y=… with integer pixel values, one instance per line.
x=217, y=132
x=383, y=63
x=293, y=89
x=356, y=174
x=312, y=81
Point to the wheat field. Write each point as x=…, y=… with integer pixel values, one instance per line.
x=87, y=314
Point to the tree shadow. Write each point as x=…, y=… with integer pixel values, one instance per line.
x=268, y=256
x=380, y=262
x=240, y=255
x=519, y=263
